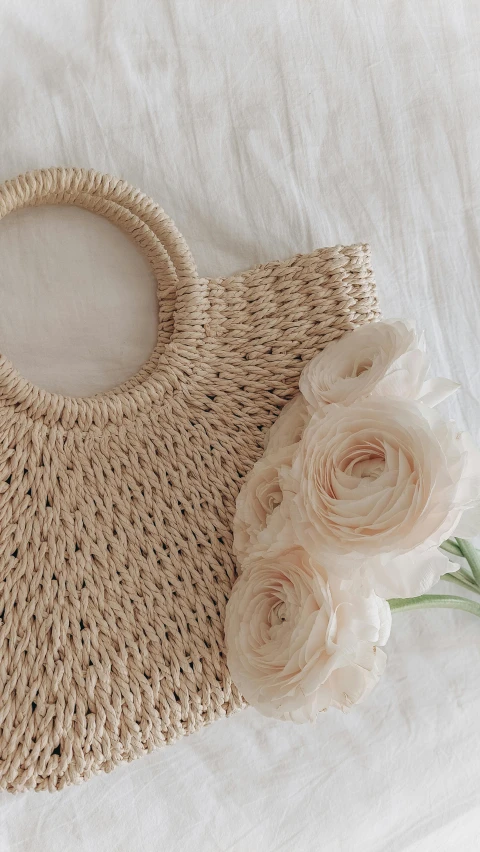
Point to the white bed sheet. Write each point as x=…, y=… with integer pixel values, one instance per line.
x=263, y=128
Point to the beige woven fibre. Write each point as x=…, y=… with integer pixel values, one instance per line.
x=116, y=510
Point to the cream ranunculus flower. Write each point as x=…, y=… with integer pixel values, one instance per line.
x=297, y=643
x=261, y=492
x=381, y=358
x=375, y=487
x=289, y=425
x=260, y=495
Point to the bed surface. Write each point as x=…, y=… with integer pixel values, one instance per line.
x=264, y=129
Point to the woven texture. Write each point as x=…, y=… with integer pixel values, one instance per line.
x=116, y=510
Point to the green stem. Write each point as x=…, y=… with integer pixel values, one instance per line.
x=462, y=580
x=427, y=601
x=472, y=556
x=451, y=547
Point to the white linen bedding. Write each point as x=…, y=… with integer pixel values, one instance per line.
x=264, y=128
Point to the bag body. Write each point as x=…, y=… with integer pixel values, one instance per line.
x=116, y=510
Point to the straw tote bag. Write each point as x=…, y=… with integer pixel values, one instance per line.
x=116, y=510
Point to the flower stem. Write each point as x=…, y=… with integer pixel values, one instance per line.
x=451, y=547
x=462, y=580
x=472, y=556
x=462, y=576
x=427, y=601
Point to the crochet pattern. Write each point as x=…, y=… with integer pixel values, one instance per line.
x=116, y=510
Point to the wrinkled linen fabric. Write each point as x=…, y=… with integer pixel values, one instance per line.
x=263, y=129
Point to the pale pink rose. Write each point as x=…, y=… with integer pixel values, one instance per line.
x=297, y=643
x=375, y=487
x=261, y=492
x=260, y=495
x=289, y=425
x=381, y=358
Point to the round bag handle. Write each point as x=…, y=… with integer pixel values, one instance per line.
x=105, y=195
x=178, y=285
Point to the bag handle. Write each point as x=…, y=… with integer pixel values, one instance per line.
x=129, y=209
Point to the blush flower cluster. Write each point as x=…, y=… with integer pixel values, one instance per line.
x=360, y=483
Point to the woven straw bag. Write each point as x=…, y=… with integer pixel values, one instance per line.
x=116, y=510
